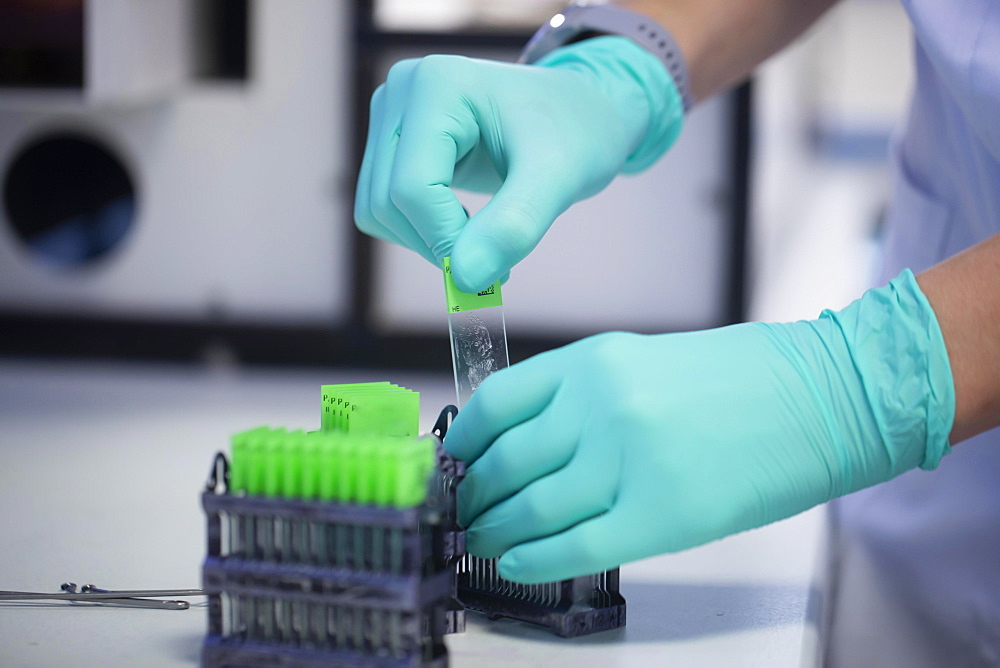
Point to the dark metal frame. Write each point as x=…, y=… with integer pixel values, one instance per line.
x=421, y=590
x=357, y=343
x=432, y=584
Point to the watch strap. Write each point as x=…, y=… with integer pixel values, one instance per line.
x=579, y=19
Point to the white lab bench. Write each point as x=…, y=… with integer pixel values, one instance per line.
x=101, y=466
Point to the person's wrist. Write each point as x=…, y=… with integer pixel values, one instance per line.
x=897, y=351
x=871, y=386
x=638, y=84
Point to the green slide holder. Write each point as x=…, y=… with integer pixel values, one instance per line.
x=459, y=301
x=390, y=413
x=349, y=399
x=329, y=394
x=340, y=404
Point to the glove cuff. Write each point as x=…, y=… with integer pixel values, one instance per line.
x=899, y=352
x=634, y=79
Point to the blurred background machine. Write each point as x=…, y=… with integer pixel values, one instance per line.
x=178, y=180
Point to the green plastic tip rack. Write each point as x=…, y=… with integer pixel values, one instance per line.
x=332, y=466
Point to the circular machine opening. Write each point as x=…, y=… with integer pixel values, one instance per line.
x=69, y=198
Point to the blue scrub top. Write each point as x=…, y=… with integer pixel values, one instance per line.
x=917, y=559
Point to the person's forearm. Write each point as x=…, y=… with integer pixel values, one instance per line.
x=724, y=40
x=965, y=294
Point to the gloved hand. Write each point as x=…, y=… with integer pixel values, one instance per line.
x=623, y=446
x=540, y=137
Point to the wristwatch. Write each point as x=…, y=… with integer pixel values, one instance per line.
x=581, y=19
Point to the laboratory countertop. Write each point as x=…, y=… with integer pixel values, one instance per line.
x=102, y=466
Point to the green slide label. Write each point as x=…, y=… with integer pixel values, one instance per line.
x=459, y=301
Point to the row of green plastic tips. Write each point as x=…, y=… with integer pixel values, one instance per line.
x=332, y=466
x=371, y=408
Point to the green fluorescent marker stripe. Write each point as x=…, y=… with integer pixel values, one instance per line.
x=239, y=475
x=237, y=462
x=292, y=470
x=328, y=460
x=459, y=301
x=365, y=491
x=349, y=474
x=404, y=492
x=274, y=465
x=255, y=464
x=386, y=461
x=311, y=464
x=343, y=473
x=412, y=480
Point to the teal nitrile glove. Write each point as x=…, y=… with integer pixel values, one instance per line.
x=539, y=137
x=622, y=446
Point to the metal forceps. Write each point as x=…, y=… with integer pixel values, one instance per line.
x=133, y=598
